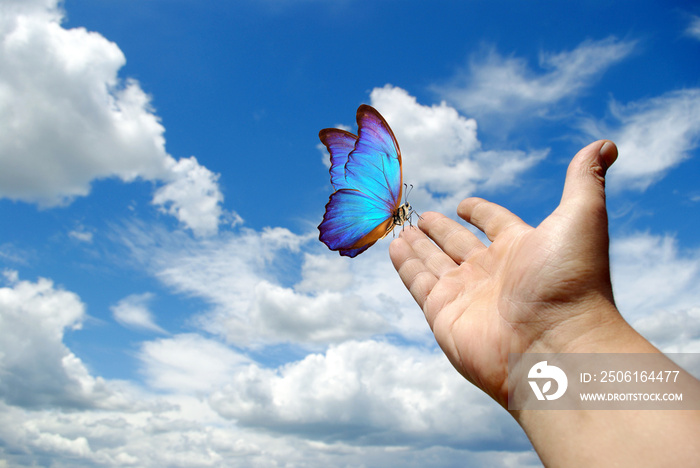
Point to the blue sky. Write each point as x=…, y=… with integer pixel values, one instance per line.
x=164, y=299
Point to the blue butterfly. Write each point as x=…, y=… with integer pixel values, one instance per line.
x=366, y=175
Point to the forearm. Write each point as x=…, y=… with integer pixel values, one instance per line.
x=612, y=437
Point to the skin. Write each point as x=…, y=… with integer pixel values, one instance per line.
x=540, y=290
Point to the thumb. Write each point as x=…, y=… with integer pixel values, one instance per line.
x=584, y=189
x=583, y=205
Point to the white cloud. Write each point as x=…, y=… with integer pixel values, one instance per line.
x=673, y=331
x=81, y=235
x=133, y=312
x=192, y=196
x=185, y=432
x=493, y=84
x=649, y=272
x=11, y=254
x=67, y=119
x=189, y=363
x=369, y=393
x=38, y=369
x=693, y=29
x=359, y=402
x=179, y=432
x=252, y=302
x=282, y=314
x=657, y=286
x=56, y=443
x=442, y=156
x=324, y=273
x=653, y=136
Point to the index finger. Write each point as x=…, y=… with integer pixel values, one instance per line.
x=453, y=238
x=490, y=218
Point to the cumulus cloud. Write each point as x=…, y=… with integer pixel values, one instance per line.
x=133, y=312
x=372, y=393
x=178, y=432
x=67, y=119
x=37, y=369
x=358, y=402
x=185, y=431
x=347, y=405
x=192, y=195
x=442, y=156
x=326, y=317
x=493, y=84
x=653, y=136
x=652, y=275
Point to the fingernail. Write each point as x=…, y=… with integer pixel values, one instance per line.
x=608, y=153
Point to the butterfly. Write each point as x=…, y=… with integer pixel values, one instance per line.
x=367, y=178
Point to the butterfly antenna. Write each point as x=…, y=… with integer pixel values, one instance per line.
x=408, y=190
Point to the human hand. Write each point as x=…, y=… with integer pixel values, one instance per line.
x=544, y=289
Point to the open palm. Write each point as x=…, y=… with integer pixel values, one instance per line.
x=532, y=289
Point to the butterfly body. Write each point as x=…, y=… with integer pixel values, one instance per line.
x=367, y=177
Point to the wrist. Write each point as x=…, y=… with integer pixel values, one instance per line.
x=592, y=327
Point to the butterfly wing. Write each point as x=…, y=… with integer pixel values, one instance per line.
x=361, y=210
x=339, y=143
x=374, y=166
x=353, y=222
